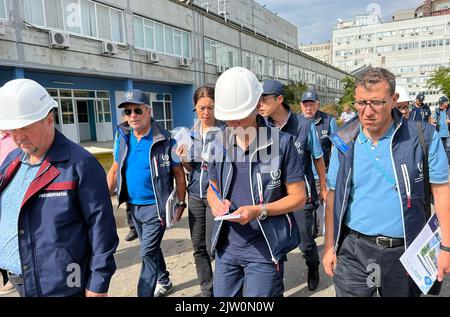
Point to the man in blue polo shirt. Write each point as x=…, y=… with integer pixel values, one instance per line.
x=442, y=122
x=279, y=115
x=375, y=206
x=143, y=172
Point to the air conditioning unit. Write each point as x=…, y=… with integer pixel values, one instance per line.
x=431, y=31
x=380, y=38
x=413, y=33
x=417, y=32
x=152, y=57
x=109, y=48
x=402, y=35
x=59, y=39
x=348, y=41
x=184, y=62
x=379, y=53
x=339, y=43
x=422, y=72
x=259, y=76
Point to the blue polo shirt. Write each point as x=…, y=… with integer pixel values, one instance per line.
x=10, y=201
x=374, y=206
x=137, y=169
x=441, y=117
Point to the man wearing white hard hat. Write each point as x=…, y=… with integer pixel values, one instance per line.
x=57, y=229
x=256, y=178
x=403, y=102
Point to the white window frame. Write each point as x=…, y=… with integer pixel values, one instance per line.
x=81, y=34
x=6, y=12
x=164, y=26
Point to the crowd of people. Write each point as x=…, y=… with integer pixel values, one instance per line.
x=257, y=178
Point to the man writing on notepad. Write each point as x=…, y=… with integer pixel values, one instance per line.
x=257, y=175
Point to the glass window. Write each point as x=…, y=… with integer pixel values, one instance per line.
x=72, y=16
x=106, y=111
x=53, y=92
x=208, y=53
x=168, y=34
x=65, y=93
x=186, y=44
x=158, y=110
x=159, y=37
x=67, y=111
x=89, y=25
x=116, y=25
x=138, y=32
x=3, y=10
x=177, y=42
x=149, y=35
x=103, y=22
x=103, y=94
x=54, y=14
x=82, y=111
x=34, y=12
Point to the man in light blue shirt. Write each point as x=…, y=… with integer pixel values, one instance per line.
x=375, y=206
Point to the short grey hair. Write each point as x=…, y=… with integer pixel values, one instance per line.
x=375, y=75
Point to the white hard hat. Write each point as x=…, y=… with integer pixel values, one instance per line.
x=403, y=94
x=23, y=102
x=237, y=94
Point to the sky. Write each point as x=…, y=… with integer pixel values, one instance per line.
x=316, y=19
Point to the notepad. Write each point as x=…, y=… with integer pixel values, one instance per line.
x=227, y=217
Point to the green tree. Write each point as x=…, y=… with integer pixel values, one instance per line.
x=440, y=79
x=293, y=94
x=349, y=92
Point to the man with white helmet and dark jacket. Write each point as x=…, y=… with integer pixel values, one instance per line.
x=57, y=229
x=257, y=177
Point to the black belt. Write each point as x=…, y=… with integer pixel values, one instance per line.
x=381, y=241
x=15, y=279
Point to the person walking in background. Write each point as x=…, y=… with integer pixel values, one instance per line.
x=420, y=111
x=441, y=121
x=196, y=160
x=346, y=114
x=403, y=102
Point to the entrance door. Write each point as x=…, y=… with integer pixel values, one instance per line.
x=84, y=129
x=103, y=124
x=68, y=124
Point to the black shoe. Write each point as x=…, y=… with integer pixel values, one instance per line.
x=132, y=235
x=313, y=277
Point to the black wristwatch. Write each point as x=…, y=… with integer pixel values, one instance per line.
x=444, y=248
x=181, y=204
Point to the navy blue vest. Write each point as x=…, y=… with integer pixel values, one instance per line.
x=407, y=155
x=322, y=122
x=280, y=232
x=299, y=127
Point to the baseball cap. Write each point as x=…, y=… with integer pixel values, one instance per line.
x=420, y=97
x=272, y=87
x=136, y=97
x=310, y=95
x=442, y=100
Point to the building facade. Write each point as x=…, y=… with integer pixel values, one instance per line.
x=411, y=48
x=322, y=51
x=87, y=53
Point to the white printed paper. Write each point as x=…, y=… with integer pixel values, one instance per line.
x=420, y=258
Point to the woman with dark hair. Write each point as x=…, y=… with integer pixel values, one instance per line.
x=195, y=160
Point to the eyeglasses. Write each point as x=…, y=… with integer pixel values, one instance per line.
x=377, y=104
x=403, y=108
x=137, y=111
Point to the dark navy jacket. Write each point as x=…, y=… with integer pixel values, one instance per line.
x=199, y=182
x=407, y=155
x=280, y=232
x=322, y=122
x=66, y=218
x=160, y=165
x=299, y=127
x=420, y=114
